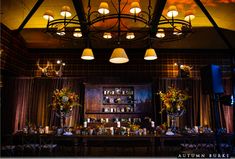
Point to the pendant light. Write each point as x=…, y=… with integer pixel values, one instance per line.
x=87, y=54
x=118, y=56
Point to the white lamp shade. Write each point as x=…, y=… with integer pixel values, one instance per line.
x=65, y=12
x=189, y=15
x=104, y=8
x=135, y=8
x=177, y=31
x=61, y=32
x=150, y=54
x=48, y=15
x=160, y=33
x=107, y=35
x=130, y=36
x=172, y=11
x=118, y=56
x=77, y=33
x=87, y=54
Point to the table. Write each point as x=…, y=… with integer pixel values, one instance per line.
x=150, y=141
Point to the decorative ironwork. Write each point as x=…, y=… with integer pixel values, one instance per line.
x=65, y=28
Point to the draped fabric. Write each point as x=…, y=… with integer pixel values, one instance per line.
x=29, y=99
x=199, y=107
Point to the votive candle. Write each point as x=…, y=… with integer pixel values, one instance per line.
x=85, y=124
x=118, y=124
x=47, y=129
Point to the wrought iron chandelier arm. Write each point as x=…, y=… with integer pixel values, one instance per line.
x=106, y=29
x=124, y=6
x=114, y=16
x=114, y=6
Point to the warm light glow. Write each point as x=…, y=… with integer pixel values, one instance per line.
x=65, y=12
x=189, y=15
x=175, y=64
x=104, y=8
x=135, y=8
x=177, y=31
x=77, y=33
x=63, y=64
x=118, y=56
x=150, y=54
x=160, y=33
x=58, y=61
x=130, y=35
x=172, y=11
x=107, y=35
x=87, y=54
x=61, y=32
x=48, y=15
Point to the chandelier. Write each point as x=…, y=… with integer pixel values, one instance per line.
x=110, y=21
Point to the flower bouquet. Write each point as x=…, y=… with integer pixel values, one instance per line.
x=63, y=102
x=173, y=103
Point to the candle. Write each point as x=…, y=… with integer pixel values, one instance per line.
x=152, y=124
x=85, y=124
x=145, y=131
x=107, y=120
x=47, y=129
x=112, y=130
x=196, y=129
x=88, y=120
x=118, y=124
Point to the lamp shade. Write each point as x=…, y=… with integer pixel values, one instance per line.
x=135, y=8
x=118, y=56
x=177, y=31
x=48, y=15
x=160, y=33
x=189, y=15
x=104, y=8
x=77, y=33
x=107, y=35
x=65, y=11
x=130, y=35
x=172, y=11
x=87, y=54
x=150, y=54
x=61, y=32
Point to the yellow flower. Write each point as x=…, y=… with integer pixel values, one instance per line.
x=173, y=100
x=64, y=100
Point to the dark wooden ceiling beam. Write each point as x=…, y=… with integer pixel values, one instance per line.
x=32, y=11
x=157, y=13
x=223, y=37
x=78, y=5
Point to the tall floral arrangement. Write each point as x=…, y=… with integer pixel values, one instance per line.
x=173, y=100
x=64, y=100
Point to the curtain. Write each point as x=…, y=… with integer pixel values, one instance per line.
x=27, y=100
x=199, y=108
x=30, y=99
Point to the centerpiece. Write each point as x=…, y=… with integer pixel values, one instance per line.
x=63, y=102
x=173, y=103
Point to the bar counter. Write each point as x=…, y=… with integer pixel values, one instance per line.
x=82, y=144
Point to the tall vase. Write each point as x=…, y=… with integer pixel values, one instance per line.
x=62, y=119
x=173, y=123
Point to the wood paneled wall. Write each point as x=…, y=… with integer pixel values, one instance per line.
x=137, y=67
x=14, y=55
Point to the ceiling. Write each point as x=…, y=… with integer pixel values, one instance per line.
x=205, y=34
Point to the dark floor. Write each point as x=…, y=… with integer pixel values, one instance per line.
x=98, y=151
